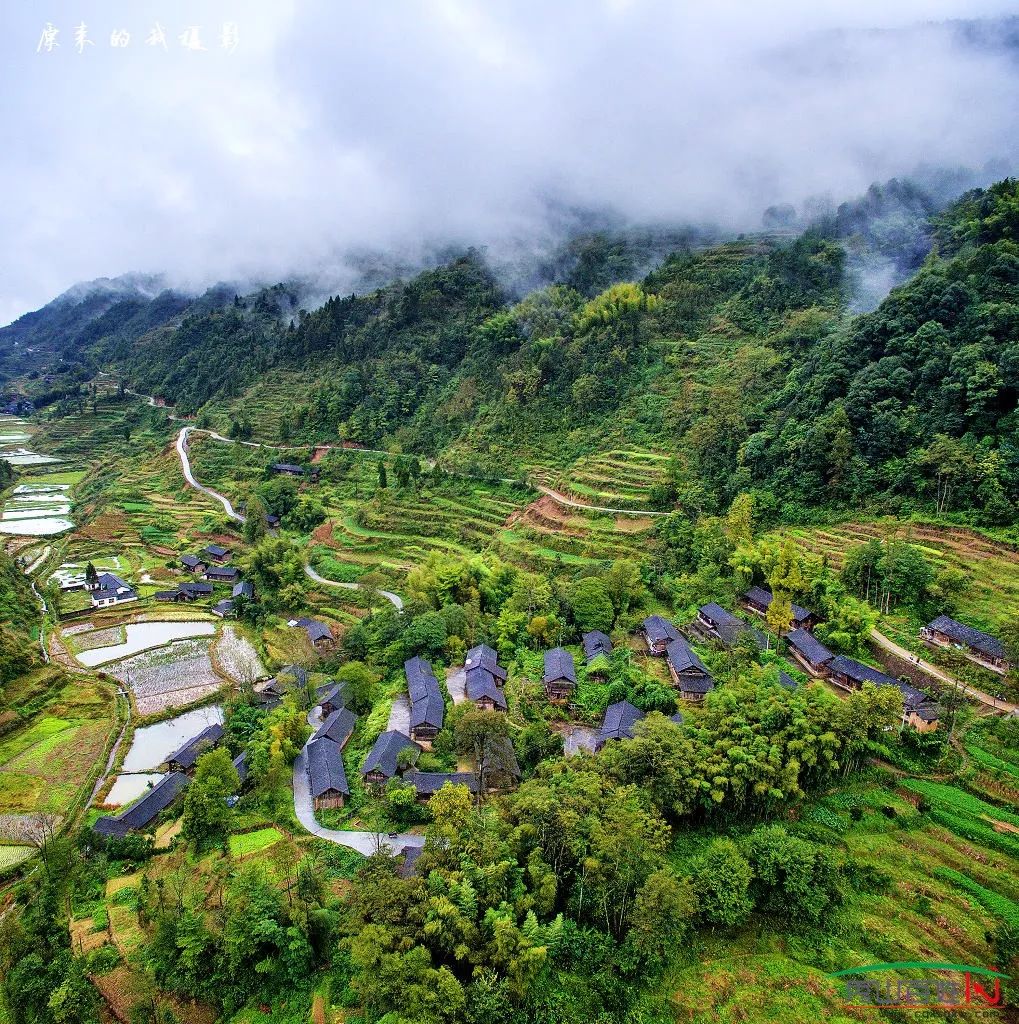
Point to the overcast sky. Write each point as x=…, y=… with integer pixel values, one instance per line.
x=334, y=124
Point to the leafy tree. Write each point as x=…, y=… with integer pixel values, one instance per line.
x=206, y=814
x=721, y=878
x=591, y=605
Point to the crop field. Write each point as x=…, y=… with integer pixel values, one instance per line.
x=169, y=677
x=621, y=478
x=991, y=567
x=943, y=894
x=11, y=856
x=390, y=531
x=45, y=762
x=236, y=657
x=246, y=843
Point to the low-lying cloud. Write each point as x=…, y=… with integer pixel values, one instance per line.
x=336, y=126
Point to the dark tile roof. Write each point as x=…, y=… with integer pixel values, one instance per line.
x=333, y=693
x=384, y=753
x=223, y=608
x=596, y=643
x=139, y=814
x=758, y=595
x=410, y=856
x=195, y=589
x=729, y=627
x=244, y=589
x=677, y=718
x=191, y=561
x=429, y=709
x=325, y=768
x=111, y=586
x=696, y=684
x=559, y=665
x=166, y=595
x=188, y=754
x=967, y=635
x=221, y=572
x=216, y=550
x=787, y=680
x=619, y=721
x=859, y=672
x=420, y=678
x=911, y=696
x=429, y=783
x=483, y=656
x=682, y=657
x=659, y=629
x=272, y=520
x=241, y=764
x=337, y=727
x=926, y=712
x=316, y=630
x=481, y=683
x=809, y=646
x=287, y=467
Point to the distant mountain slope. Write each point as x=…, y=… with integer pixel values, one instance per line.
x=742, y=358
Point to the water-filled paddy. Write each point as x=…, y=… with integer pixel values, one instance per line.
x=143, y=635
x=152, y=744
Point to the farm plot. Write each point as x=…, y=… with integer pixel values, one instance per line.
x=622, y=478
x=44, y=764
x=236, y=657
x=169, y=677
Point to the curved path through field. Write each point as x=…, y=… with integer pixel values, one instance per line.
x=940, y=674
x=304, y=807
x=189, y=475
x=561, y=499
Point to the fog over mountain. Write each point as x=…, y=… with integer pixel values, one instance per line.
x=343, y=128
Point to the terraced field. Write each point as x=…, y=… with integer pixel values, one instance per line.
x=992, y=567
x=391, y=531
x=46, y=760
x=936, y=906
x=620, y=478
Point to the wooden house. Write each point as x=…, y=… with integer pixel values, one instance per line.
x=560, y=678
x=850, y=674
x=318, y=633
x=383, y=760
x=192, y=563
x=216, y=553
x=140, y=815
x=689, y=673
x=185, y=757
x=758, y=600
x=221, y=574
x=327, y=779
x=658, y=633
x=809, y=651
x=980, y=647
x=618, y=723
x=482, y=688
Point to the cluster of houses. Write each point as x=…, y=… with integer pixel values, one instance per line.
x=181, y=764
x=714, y=624
x=395, y=754
x=211, y=565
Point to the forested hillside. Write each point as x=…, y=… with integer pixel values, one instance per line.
x=740, y=358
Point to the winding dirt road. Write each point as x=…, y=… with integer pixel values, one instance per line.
x=991, y=701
